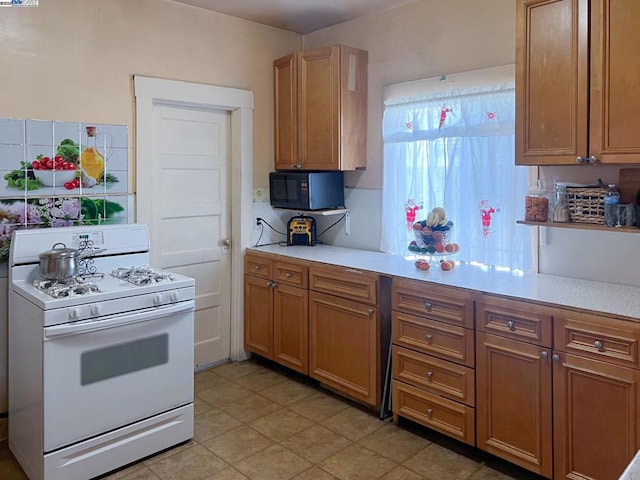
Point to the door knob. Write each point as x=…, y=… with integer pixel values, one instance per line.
x=226, y=242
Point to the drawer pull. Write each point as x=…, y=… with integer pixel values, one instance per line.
x=257, y=267
x=429, y=412
x=429, y=338
x=598, y=345
x=511, y=325
x=428, y=306
x=429, y=375
x=287, y=275
x=544, y=355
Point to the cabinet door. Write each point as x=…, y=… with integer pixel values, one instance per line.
x=514, y=402
x=615, y=76
x=343, y=339
x=286, y=112
x=290, y=327
x=552, y=81
x=318, y=107
x=596, y=424
x=258, y=316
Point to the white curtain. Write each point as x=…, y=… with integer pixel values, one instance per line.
x=455, y=150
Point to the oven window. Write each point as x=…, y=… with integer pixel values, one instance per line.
x=116, y=360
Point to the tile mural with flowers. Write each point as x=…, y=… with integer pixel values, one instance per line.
x=56, y=174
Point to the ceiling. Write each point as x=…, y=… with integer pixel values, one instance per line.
x=300, y=16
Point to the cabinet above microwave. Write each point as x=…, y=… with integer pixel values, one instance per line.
x=321, y=109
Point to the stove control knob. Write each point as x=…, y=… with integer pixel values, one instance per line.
x=95, y=309
x=157, y=299
x=173, y=296
x=74, y=313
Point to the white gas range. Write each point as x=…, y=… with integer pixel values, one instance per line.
x=101, y=374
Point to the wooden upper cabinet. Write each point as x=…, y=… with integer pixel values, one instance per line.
x=576, y=67
x=321, y=109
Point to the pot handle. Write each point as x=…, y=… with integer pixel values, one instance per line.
x=56, y=244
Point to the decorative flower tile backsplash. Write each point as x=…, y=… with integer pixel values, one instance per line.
x=56, y=173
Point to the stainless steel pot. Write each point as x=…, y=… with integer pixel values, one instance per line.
x=59, y=263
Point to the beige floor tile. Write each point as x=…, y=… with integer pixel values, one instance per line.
x=235, y=370
x=438, y=463
x=357, y=463
x=274, y=463
x=261, y=380
x=315, y=473
x=353, y=423
x=169, y=452
x=223, y=393
x=394, y=443
x=125, y=472
x=281, y=424
x=205, y=379
x=316, y=443
x=227, y=474
x=237, y=444
x=194, y=463
x=200, y=406
x=401, y=473
x=213, y=423
x=288, y=392
x=319, y=406
x=250, y=408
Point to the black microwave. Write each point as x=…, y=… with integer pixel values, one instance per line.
x=306, y=190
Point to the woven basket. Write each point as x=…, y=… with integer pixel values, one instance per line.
x=586, y=205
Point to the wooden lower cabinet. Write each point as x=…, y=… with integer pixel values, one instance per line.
x=514, y=402
x=290, y=327
x=596, y=422
x=343, y=346
x=258, y=316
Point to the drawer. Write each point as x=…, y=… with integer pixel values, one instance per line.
x=438, y=413
x=258, y=266
x=523, y=321
x=434, y=375
x=445, y=304
x=449, y=342
x=291, y=274
x=602, y=338
x=345, y=282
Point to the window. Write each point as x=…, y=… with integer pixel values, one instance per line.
x=454, y=148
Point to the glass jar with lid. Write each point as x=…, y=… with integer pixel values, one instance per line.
x=560, y=207
x=536, y=204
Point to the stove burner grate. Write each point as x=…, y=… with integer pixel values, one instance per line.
x=68, y=287
x=143, y=275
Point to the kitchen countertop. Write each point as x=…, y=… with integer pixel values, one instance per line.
x=555, y=290
x=632, y=472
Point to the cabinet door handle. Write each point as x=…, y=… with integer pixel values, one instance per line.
x=511, y=325
x=371, y=311
x=428, y=306
x=429, y=412
x=592, y=159
x=429, y=375
x=544, y=354
x=598, y=345
x=580, y=160
x=555, y=357
x=429, y=338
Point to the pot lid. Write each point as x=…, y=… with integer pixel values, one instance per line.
x=59, y=250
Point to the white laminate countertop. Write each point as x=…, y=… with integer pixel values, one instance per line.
x=563, y=291
x=632, y=472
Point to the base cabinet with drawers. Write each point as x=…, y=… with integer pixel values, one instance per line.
x=433, y=358
x=276, y=302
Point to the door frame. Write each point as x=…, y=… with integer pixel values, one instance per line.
x=148, y=91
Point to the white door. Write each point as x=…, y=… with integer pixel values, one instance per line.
x=190, y=220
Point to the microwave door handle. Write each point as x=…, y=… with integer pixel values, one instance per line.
x=77, y=328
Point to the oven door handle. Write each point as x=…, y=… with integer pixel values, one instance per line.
x=87, y=326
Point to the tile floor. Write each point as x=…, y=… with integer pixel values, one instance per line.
x=259, y=423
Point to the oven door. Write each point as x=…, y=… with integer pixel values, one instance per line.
x=109, y=372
